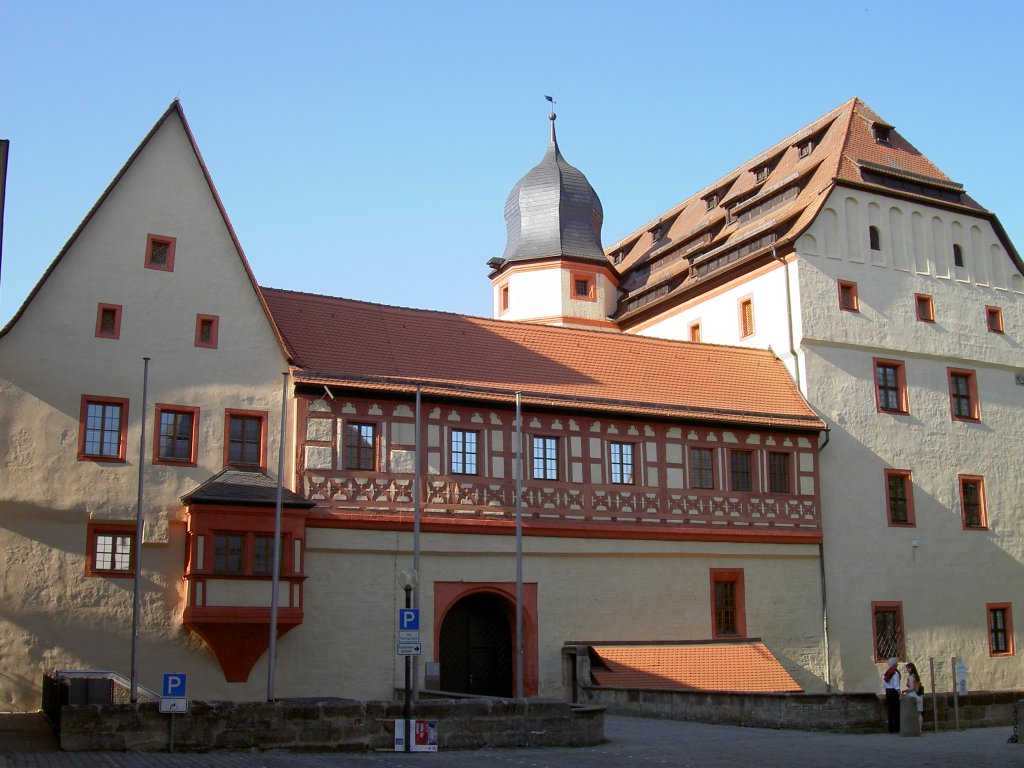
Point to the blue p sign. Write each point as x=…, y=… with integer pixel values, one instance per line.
x=408, y=618
x=174, y=685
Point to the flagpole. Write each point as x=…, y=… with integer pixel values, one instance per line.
x=137, y=591
x=519, y=546
x=416, y=542
x=275, y=564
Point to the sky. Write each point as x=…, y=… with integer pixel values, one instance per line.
x=365, y=149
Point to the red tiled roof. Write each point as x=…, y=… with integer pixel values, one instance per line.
x=744, y=667
x=354, y=343
x=844, y=152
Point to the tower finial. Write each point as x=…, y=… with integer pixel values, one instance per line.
x=552, y=117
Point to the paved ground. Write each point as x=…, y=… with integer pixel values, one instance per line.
x=630, y=742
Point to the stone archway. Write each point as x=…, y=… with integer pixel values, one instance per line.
x=476, y=647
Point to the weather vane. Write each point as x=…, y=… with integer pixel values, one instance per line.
x=553, y=102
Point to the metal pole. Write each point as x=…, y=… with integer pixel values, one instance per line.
x=519, y=545
x=416, y=542
x=956, y=694
x=275, y=565
x=137, y=596
x=935, y=699
x=407, y=706
x=824, y=617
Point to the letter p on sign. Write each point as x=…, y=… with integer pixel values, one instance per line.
x=408, y=618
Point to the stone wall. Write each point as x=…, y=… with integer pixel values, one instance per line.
x=841, y=712
x=327, y=725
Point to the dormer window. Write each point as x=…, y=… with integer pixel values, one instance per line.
x=711, y=201
x=618, y=256
x=880, y=132
x=656, y=233
x=806, y=148
x=761, y=174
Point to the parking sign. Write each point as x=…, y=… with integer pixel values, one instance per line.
x=174, y=684
x=408, y=618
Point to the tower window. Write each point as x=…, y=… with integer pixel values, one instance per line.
x=583, y=287
x=958, y=255
x=874, y=239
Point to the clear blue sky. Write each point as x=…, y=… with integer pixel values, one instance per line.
x=365, y=149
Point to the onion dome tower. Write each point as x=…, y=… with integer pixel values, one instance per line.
x=554, y=269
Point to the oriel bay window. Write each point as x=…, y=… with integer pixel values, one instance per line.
x=237, y=553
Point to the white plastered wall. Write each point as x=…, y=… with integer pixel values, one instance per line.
x=54, y=616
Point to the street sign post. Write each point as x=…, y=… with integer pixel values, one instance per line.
x=409, y=649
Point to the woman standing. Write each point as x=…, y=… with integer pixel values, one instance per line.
x=916, y=690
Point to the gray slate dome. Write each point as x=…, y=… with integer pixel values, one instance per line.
x=553, y=212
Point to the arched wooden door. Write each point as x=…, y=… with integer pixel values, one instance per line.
x=476, y=647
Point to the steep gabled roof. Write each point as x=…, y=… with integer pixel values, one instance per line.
x=378, y=347
x=174, y=109
x=768, y=202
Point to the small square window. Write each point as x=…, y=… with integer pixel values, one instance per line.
x=994, y=319
x=728, y=613
x=103, y=428
x=849, y=301
x=1000, y=629
x=175, y=435
x=111, y=550
x=963, y=395
x=924, y=307
x=778, y=472
x=887, y=627
x=972, y=502
x=621, y=455
x=108, y=321
x=545, y=458
x=361, y=446
x=899, y=497
x=245, y=439
x=160, y=252
x=695, y=331
x=891, y=386
x=207, y=331
x=746, y=317
x=464, y=452
x=583, y=287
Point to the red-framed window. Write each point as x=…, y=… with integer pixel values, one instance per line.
x=728, y=609
x=503, y=294
x=887, y=630
x=994, y=319
x=621, y=457
x=207, y=330
x=779, y=472
x=1000, y=629
x=245, y=439
x=891, y=386
x=160, y=252
x=545, y=457
x=746, y=316
x=702, y=468
x=464, y=445
x=924, y=307
x=740, y=474
x=963, y=395
x=108, y=321
x=174, y=436
x=972, y=502
x=849, y=300
x=103, y=428
x=899, y=497
x=695, y=331
x=584, y=286
x=110, y=550
x=361, y=446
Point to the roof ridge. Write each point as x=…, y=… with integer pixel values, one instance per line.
x=535, y=327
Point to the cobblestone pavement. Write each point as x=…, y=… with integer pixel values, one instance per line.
x=630, y=742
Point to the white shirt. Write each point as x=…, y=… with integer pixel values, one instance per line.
x=892, y=682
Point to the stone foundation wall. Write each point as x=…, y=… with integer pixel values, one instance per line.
x=327, y=725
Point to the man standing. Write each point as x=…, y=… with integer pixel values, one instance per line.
x=891, y=684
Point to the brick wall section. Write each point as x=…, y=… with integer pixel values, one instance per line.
x=327, y=725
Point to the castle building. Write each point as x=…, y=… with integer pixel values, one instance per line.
x=767, y=424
